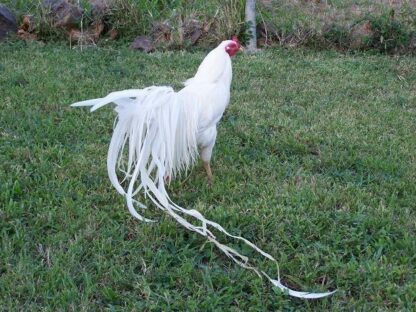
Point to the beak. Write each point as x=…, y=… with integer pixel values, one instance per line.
x=242, y=49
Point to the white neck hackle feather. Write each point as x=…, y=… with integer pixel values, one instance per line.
x=155, y=137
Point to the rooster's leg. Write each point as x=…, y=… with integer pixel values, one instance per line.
x=207, y=168
x=206, y=142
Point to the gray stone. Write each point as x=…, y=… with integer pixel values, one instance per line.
x=8, y=22
x=143, y=43
x=64, y=14
x=193, y=30
x=162, y=33
x=100, y=7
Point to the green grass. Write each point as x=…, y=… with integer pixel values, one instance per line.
x=315, y=162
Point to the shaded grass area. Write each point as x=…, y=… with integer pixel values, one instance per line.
x=385, y=26
x=347, y=25
x=131, y=18
x=315, y=161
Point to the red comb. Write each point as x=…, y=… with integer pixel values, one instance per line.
x=235, y=39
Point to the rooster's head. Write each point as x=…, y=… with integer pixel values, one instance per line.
x=233, y=47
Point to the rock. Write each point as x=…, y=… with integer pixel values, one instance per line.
x=143, y=43
x=8, y=23
x=64, y=14
x=100, y=7
x=189, y=32
x=162, y=33
x=360, y=35
x=193, y=30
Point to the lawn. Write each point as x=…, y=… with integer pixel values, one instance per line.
x=315, y=162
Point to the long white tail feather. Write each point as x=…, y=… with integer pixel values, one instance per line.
x=86, y=103
x=155, y=138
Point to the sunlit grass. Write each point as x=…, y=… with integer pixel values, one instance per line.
x=315, y=162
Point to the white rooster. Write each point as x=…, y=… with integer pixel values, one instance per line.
x=158, y=135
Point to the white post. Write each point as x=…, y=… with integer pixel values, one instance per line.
x=251, y=20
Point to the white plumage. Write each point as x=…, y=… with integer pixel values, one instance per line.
x=158, y=134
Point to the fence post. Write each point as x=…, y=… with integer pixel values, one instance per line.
x=251, y=21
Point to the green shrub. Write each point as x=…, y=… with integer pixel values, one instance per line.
x=390, y=35
x=337, y=36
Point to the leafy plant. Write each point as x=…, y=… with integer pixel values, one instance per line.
x=337, y=36
x=390, y=34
